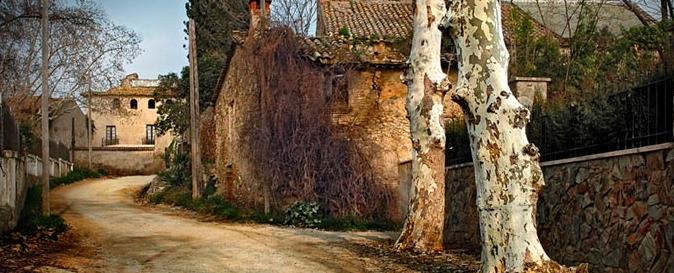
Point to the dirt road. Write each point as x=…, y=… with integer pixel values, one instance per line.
x=132, y=238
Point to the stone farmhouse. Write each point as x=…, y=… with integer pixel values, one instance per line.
x=124, y=138
x=373, y=38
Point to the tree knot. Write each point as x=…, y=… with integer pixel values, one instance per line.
x=521, y=117
x=531, y=150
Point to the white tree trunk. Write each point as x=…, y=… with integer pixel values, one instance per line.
x=427, y=85
x=507, y=172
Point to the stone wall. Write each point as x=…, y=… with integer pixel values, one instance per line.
x=373, y=114
x=18, y=174
x=234, y=105
x=376, y=120
x=122, y=160
x=13, y=187
x=614, y=210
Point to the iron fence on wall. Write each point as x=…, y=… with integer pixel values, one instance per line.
x=56, y=150
x=11, y=139
x=642, y=115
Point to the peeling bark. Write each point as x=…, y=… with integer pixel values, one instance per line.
x=507, y=171
x=427, y=85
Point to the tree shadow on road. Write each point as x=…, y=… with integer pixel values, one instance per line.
x=453, y=260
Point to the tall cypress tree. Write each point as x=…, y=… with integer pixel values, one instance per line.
x=215, y=21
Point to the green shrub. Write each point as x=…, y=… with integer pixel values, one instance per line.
x=32, y=220
x=182, y=197
x=217, y=205
x=77, y=174
x=52, y=222
x=559, y=126
x=179, y=165
x=300, y=214
x=303, y=214
x=344, y=31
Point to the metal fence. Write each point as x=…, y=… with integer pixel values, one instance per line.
x=109, y=141
x=147, y=141
x=56, y=150
x=643, y=115
x=645, y=118
x=11, y=139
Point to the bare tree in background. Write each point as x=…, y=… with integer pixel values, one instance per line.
x=83, y=42
x=299, y=15
x=661, y=9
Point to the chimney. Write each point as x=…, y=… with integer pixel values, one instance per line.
x=255, y=12
x=528, y=89
x=126, y=82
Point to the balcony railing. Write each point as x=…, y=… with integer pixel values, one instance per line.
x=109, y=141
x=147, y=141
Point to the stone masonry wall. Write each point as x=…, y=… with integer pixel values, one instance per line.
x=616, y=213
x=376, y=120
x=122, y=160
x=235, y=104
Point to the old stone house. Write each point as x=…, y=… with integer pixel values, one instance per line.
x=124, y=136
x=67, y=123
x=372, y=38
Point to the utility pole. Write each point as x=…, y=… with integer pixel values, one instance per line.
x=45, y=108
x=194, y=113
x=89, y=118
x=266, y=192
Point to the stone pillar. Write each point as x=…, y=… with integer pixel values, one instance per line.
x=528, y=88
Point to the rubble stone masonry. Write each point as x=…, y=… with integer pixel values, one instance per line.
x=614, y=212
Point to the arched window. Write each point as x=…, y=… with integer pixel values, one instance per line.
x=116, y=104
x=150, y=104
x=134, y=104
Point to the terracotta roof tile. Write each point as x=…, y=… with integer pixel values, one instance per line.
x=388, y=19
x=126, y=91
x=381, y=18
x=338, y=49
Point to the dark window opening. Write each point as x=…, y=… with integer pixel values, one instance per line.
x=134, y=104
x=150, y=104
x=116, y=104
x=110, y=135
x=338, y=90
x=149, y=134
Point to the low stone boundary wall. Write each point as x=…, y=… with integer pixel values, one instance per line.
x=121, y=160
x=613, y=210
x=57, y=167
x=17, y=174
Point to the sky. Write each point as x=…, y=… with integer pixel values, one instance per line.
x=160, y=25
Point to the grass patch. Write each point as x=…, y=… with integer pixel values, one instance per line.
x=299, y=215
x=214, y=205
x=77, y=174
